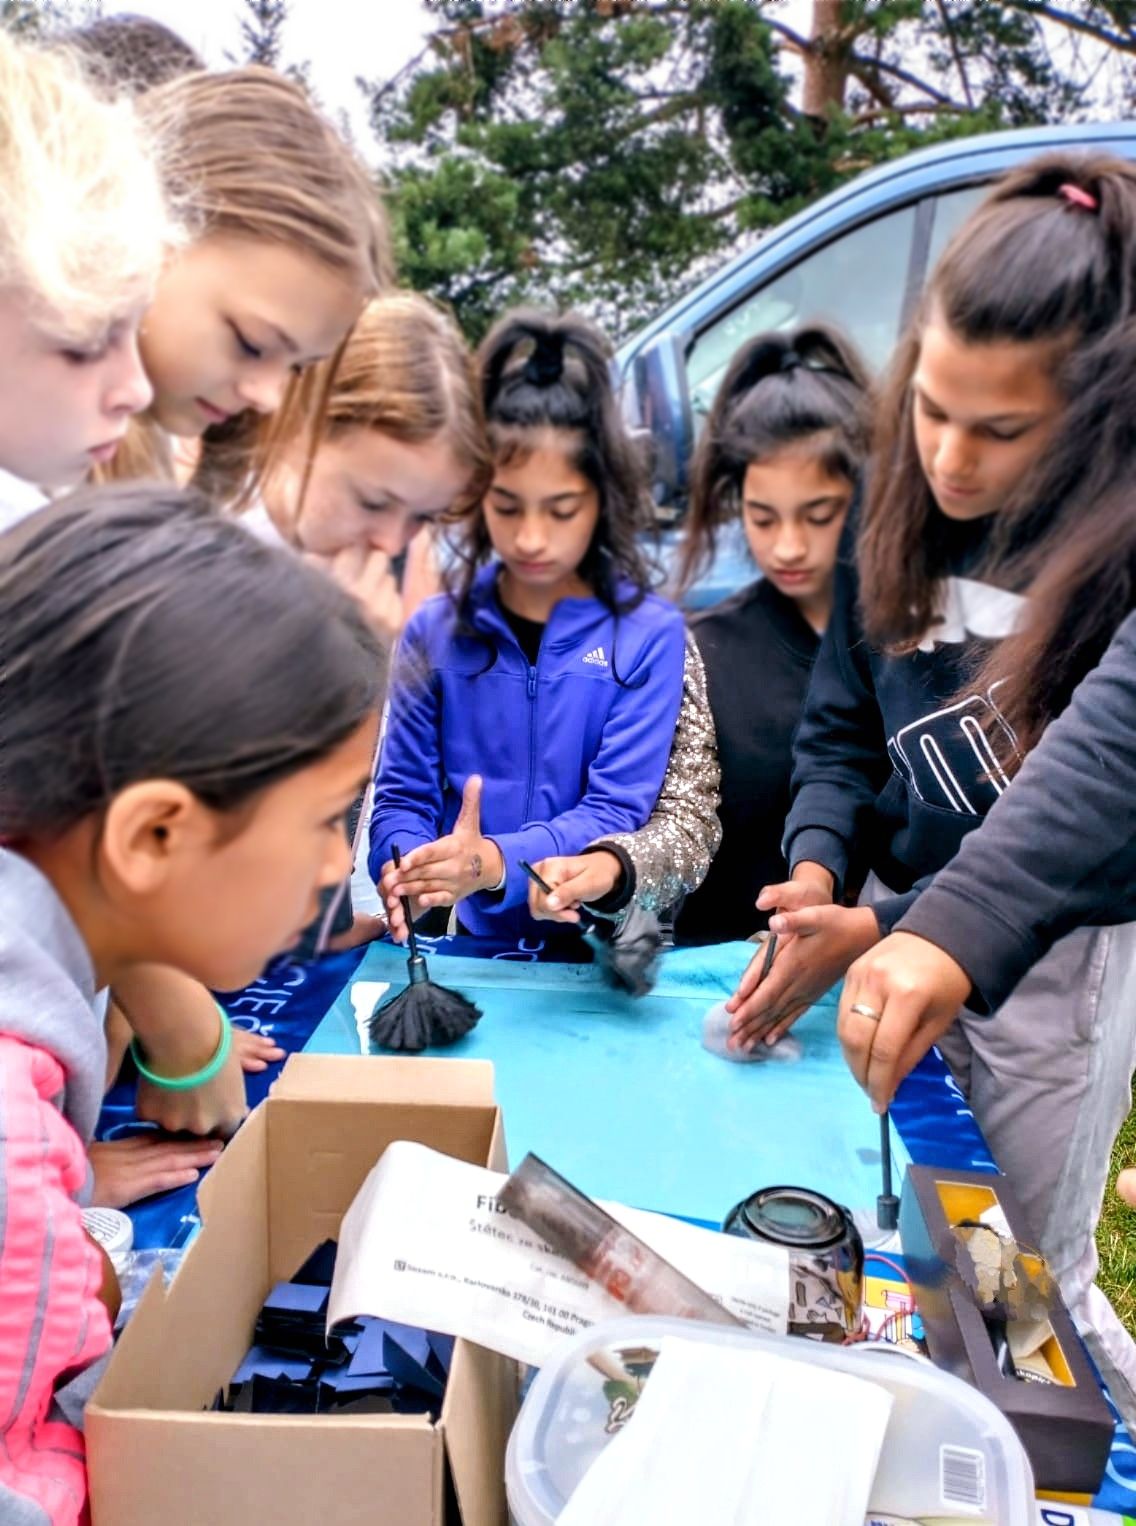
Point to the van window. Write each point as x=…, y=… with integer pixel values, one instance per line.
x=951, y=211
x=857, y=282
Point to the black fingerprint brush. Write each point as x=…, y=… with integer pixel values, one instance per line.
x=422, y=1013
x=626, y=947
x=887, y=1204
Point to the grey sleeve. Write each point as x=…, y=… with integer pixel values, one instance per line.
x=1057, y=851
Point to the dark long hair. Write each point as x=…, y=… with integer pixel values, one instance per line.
x=1070, y=539
x=543, y=371
x=781, y=389
x=144, y=636
x=1049, y=255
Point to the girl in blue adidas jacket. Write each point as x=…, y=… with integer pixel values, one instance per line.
x=532, y=707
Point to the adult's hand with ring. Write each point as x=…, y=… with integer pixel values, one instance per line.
x=898, y=999
x=862, y=1011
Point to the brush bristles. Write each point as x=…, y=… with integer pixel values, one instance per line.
x=422, y=1016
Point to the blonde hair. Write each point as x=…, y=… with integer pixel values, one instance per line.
x=84, y=219
x=252, y=157
x=406, y=372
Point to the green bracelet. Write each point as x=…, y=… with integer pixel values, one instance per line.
x=199, y=1077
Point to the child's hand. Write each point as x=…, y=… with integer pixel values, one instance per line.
x=917, y=990
x=815, y=947
x=110, y=1293
x=806, y=888
x=176, y=1021
x=127, y=1170
x=444, y=872
x=219, y=1107
x=396, y=920
x=586, y=878
x=254, y=1050
x=365, y=573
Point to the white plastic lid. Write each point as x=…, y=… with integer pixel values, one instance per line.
x=948, y=1450
x=114, y=1232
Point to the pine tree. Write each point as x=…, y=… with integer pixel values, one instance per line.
x=262, y=30
x=605, y=152
x=39, y=18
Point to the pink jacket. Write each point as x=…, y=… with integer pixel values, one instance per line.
x=53, y=1327
x=51, y=1320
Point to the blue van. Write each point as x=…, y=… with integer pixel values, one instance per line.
x=857, y=258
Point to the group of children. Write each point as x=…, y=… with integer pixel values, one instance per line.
x=195, y=288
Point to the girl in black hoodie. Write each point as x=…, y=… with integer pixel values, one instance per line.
x=955, y=637
x=783, y=450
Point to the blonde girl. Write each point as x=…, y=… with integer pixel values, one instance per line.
x=287, y=241
x=83, y=230
x=381, y=445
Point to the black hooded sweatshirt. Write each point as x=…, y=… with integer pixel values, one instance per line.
x=892, y=767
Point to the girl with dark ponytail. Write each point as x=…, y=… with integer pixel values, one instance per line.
x=534, y=703
x=782, y=451
x=171, y=793
x=993, y=561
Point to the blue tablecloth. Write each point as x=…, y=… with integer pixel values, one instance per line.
x=604, y=1069
x=619, y=1095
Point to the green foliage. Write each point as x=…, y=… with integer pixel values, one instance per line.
x=262, y=32
x=21, y=16
x=40, y=18
x=604, y=152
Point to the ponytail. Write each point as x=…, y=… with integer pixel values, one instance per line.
x=541, y=371
x=1050, y=255
x=780, y=390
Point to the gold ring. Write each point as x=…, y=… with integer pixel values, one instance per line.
x=862, y=1011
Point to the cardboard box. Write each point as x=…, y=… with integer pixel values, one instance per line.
x=156, y=1454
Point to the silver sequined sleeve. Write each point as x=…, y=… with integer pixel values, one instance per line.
x=673, y=851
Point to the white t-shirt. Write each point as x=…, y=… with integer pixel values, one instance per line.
x=257, y=521
x=18, y=499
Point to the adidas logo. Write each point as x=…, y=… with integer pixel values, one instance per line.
x=596, y=657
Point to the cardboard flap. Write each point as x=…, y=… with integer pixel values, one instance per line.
x=144, y=1333
x=371, y=1078
x=477, y=1416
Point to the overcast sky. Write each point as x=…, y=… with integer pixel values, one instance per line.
x=341, y=39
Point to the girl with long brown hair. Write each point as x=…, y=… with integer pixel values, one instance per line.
x=286, y=242
x=917, y=718
x=381, y=444
x=782, y=452
x=552, y=676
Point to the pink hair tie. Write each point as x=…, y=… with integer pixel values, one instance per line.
x=1076, y=197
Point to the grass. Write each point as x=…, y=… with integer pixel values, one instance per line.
x=1116, y=1233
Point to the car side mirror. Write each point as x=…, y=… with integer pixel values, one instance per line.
x=666, y=415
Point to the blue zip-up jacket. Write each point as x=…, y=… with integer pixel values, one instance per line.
x=567, y=753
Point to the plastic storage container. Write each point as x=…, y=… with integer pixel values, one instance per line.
x=948, y=1451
